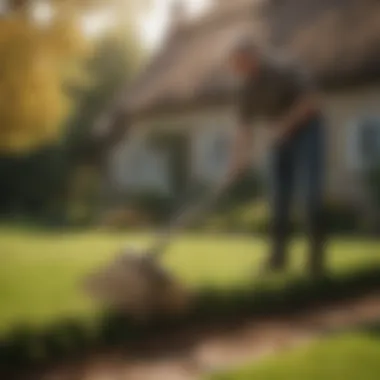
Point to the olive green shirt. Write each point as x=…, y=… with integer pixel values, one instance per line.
x=275, y=88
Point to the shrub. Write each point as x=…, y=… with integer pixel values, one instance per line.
x=127, y=217
x=247, y=188
x=217, y=223
x=373, y=182
x=255, y=217
x=249, y=217
x=140, y=210
x=155, y=204
x=341, y=217
x=19, y=349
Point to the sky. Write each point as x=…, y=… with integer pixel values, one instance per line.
x=152, y=25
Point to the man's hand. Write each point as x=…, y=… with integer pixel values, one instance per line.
x=295, y=118
x=280, y=134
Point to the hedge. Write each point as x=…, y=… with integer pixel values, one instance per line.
x=27, y=348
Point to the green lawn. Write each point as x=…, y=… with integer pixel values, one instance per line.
x=348, y=357
x=40, y=272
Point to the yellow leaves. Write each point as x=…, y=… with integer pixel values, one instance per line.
x=33, y=103
x=64, y=38
x=40, y=61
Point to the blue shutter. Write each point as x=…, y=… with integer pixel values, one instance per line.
x=370, y=141
x=353, y=152
x=363, y=148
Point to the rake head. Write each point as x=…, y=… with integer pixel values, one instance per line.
x=135, y=283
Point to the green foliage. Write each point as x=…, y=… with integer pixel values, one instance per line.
x=158, y=206
x=249, y=187
x=110, y=69
x=32, y=184
x=256, y=217
x=373, y=181
x=54, y=83
x=82, y=196
x=341, y=218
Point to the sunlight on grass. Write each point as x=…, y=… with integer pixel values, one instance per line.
x=40, y=273
x=348, y=357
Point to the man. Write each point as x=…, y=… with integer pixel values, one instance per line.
x=285, y=95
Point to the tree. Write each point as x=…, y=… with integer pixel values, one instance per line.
x=33, y=75
x=110, y=68
x=41, y=64
x=53, y=81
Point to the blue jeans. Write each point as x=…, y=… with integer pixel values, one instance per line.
x=298, y=161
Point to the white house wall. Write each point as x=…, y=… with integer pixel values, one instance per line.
x=342, y=109
x=205, y=126
x=135, y=167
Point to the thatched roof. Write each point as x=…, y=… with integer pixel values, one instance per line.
x=339, y=40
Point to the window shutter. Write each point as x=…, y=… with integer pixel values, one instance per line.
x=363, y=149
x=370, y=142
x=220, y=149
x=353, y=153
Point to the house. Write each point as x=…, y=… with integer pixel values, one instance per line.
x=181, y=108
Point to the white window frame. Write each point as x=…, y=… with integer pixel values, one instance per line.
x=355, y=156
x=210, y=165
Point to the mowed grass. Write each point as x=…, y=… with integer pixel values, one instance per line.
x=41, y=273
x=348, y=357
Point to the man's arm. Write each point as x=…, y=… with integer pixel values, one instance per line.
x=299, y=114
x=307, y=105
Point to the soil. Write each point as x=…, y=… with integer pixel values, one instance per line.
x=194, y=353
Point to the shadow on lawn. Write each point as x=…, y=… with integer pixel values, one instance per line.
x=32, y=349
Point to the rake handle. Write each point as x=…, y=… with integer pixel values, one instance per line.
x=185, y=216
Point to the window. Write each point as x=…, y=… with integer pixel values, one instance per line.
x=369, y=141
x=364, y=143
x=220, y=149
